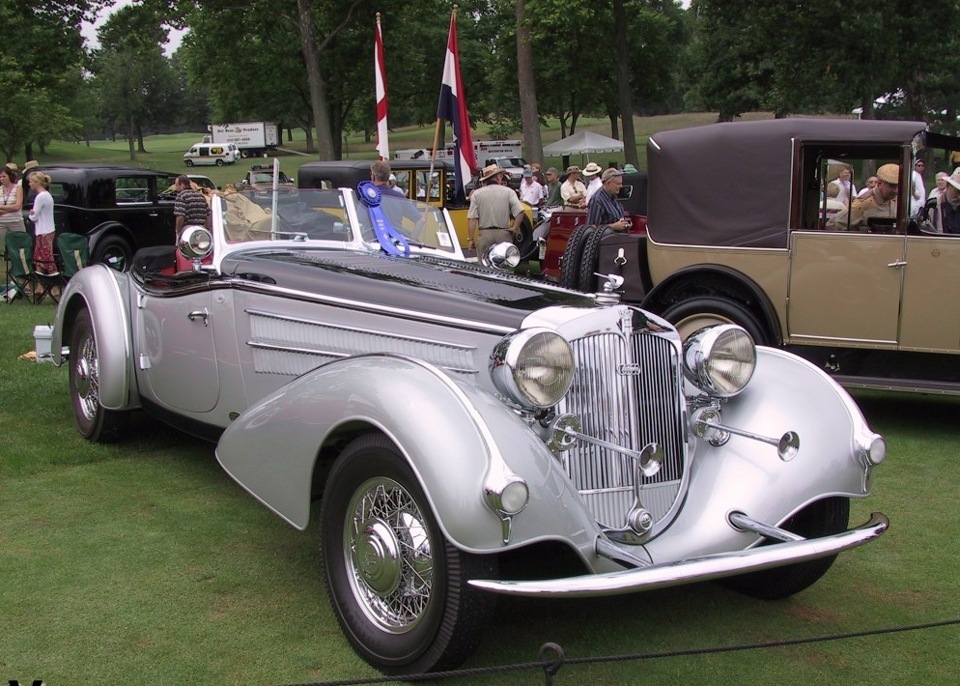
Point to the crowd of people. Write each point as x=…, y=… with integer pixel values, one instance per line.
x=496, y=213
x=40, y=214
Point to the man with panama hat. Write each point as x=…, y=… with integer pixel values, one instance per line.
x=573, y=192
x=493, y=207
x=591, y=177
x=881, y=202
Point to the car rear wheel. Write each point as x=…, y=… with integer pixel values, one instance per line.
x=189, y=163
x=398, y=588
x=570, y=262
x=114, y=252
x=94, y=422
x=689, y=316
x=822, y=518
x=219, y=163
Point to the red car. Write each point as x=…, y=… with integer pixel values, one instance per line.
x=570, y=238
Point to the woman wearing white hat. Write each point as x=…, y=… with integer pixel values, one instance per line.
x=944, y=214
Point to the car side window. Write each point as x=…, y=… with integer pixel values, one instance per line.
x=836, y=189
x=132, y=189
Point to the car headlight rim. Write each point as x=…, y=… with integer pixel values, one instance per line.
x=533, y=368
x=720, y=360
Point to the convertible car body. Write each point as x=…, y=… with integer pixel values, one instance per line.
x=460, y=432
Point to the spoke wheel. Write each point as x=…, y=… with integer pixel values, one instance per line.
x=94, y=422
x=398, y=588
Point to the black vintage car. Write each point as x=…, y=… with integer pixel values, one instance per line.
x=119, y=209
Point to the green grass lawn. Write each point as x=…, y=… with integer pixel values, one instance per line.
x=143, y=563
x=165, y=152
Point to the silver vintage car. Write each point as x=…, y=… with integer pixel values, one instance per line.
x=462, y=432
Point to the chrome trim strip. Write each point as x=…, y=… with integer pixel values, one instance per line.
x=697, y=569
x=367, y=306
x=352, y=329
x=234, y=282
x=720, y=248
x=838, y=339
x=328, y=353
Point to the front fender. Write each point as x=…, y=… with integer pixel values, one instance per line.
x=456, y=437
x=786, y=393
x=103, y=292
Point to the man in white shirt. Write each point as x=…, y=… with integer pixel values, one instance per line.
x=591, y=176
x=918, y=194
x=531, y=192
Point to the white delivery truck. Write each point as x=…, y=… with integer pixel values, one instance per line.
x=483, y=149
x=252, y=138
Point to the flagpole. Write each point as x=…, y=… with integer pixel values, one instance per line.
x=433, y=160
x=436, y=135
x=380, y=78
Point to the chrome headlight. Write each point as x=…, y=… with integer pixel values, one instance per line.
x=719, y=360
x=533, y=367
x=196, y=242
x=502, y=256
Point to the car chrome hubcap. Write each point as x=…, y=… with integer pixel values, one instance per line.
x=388, y=550
x=87, y=380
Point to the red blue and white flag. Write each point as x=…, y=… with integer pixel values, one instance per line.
x=453, y=108
x=379, y=66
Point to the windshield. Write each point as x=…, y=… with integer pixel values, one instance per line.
x=419, y=224
x=322, y=215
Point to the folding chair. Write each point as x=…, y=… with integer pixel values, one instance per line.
x=19, y=248
x=74, y=254
x=46, y=276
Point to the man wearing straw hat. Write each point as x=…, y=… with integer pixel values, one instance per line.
x=573, y=192
x=882, y=202
x=591, y=177
x=492, y=209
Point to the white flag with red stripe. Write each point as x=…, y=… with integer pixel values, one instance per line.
x=453, y=108
x=379, y=65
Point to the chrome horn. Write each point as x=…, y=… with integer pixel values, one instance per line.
x=706, y=425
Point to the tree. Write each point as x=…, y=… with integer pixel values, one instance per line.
x=133, y=76
x=41, y=57
x=532, y=143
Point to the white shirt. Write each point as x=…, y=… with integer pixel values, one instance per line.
x=593, y=187
x=531, y=193
x=918, y=193
x=42, y=213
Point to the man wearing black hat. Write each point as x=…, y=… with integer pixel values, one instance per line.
x=492, y=208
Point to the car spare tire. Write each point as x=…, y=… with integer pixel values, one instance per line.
x=570, y=262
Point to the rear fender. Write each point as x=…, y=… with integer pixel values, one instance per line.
x=103, y=292
x=457, y=438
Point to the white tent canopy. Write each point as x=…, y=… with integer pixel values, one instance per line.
x=583, y=143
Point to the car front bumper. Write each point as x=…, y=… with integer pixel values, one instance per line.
x=694, y=570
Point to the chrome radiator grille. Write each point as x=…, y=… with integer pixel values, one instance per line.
x=626, y=391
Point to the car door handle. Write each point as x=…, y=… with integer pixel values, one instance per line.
x=199, y=314
x=898, y=264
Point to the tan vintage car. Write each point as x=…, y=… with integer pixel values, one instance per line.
x=741, y=229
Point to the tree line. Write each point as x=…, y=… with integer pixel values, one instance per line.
x=308, y=64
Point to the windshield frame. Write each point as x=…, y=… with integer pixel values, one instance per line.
x=243, y=220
